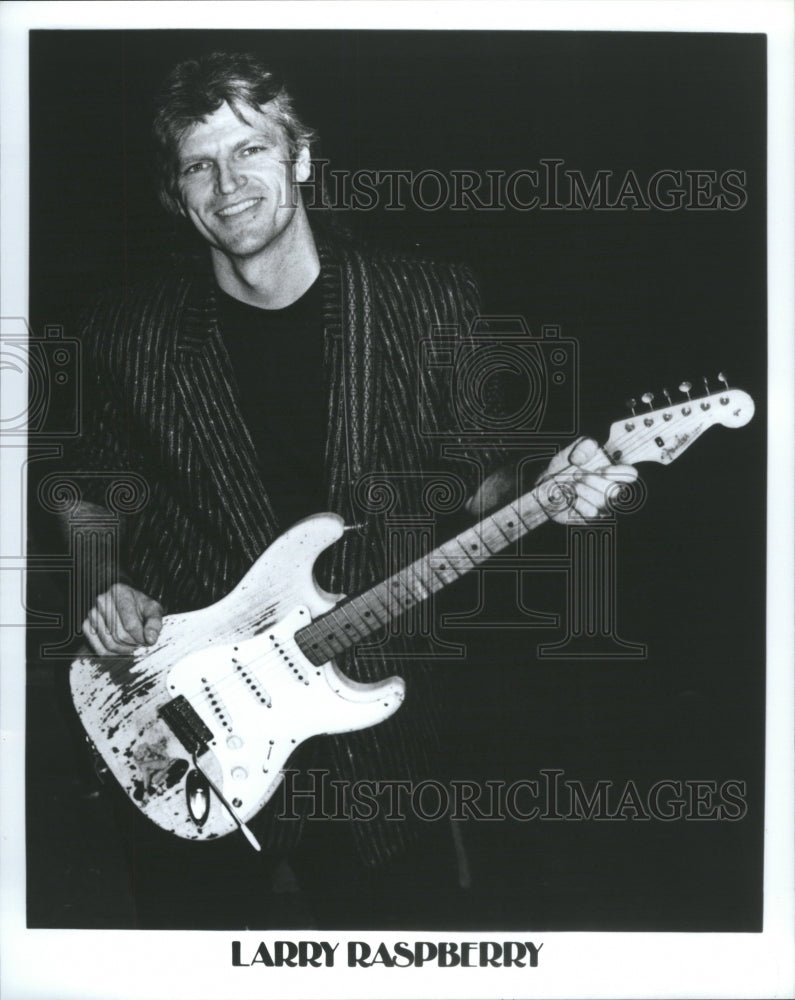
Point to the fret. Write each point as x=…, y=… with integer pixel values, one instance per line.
x=399, y=593
x=376, y=594
x=484, y=542
x=332, y=639
x=463, y=543
x=458, y=563
x=414, y=573
x=531, y=514
x=424, y=571
x=508, y=536
x=355, y=619
x=370, y=616
x=442, y=570
x=364, y=625
x=311, y=642
x=349, y=627
x=523, y=521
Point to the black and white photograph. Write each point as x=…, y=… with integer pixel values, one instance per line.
x=391, y=592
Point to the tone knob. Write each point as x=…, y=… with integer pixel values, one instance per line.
x=239, y=773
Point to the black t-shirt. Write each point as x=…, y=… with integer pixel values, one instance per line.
x=277, y=358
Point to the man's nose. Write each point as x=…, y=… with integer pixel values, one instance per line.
x=227, y=178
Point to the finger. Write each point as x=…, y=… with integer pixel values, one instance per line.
x=588, y=510
x=583, y=451
x=592, y=498
x=91, y=637
x=624, y=473
x=560, y=461
x=105, y=639
x=152, y=615
x=557, y=496
x=600, y=494
x=130, y=615
x=108, y=606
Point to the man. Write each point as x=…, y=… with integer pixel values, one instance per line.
x=282, y=380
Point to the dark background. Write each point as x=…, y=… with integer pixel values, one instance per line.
x=652, y=298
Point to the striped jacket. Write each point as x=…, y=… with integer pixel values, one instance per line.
x=161, y=402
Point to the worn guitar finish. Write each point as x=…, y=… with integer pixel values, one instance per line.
x=239, y=668
x=198, y=727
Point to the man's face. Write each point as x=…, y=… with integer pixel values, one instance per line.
x=235, y=185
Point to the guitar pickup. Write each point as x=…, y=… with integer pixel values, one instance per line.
x=187, y=725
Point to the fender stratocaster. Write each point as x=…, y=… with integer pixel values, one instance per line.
x=198, y=727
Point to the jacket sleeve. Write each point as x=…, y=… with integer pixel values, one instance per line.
x=99, y=463
x=99, y=450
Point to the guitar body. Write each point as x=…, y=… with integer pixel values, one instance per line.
x=209, y=716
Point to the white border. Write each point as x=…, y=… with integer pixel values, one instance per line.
x=115, y=964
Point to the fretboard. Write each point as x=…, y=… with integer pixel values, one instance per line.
x=355, y=619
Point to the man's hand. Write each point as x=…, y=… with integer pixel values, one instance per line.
x=580, y=482
x=122, y=619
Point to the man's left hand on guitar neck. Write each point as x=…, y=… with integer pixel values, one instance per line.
x=577, y=485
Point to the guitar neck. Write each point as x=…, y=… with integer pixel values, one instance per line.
x=357, y=618
x=655, y=436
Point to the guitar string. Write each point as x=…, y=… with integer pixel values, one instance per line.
x=421, y=570
x=410, y=597
x=398, y=580
x=458, y=565
x=640, y=435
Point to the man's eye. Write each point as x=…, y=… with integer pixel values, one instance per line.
x=250, y=150
x=194, y=168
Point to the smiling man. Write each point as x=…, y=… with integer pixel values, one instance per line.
x=235, y=182
x=281, y=380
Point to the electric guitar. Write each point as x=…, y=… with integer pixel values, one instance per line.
x=198, y=727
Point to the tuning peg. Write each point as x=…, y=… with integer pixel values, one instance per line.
x=667, y=396
x=706, y=385
x=724, y=399
x=685, y=387
x=632, y=403
x=648, y=398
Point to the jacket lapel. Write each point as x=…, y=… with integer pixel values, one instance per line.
x=351, y=373
x=205, y=385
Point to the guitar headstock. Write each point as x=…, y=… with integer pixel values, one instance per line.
x=661, y=435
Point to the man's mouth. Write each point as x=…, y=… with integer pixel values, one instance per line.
x=241, y=206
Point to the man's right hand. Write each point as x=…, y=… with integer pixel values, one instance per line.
x=122, y=619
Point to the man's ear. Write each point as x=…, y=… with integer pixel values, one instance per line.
x=303, y=165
